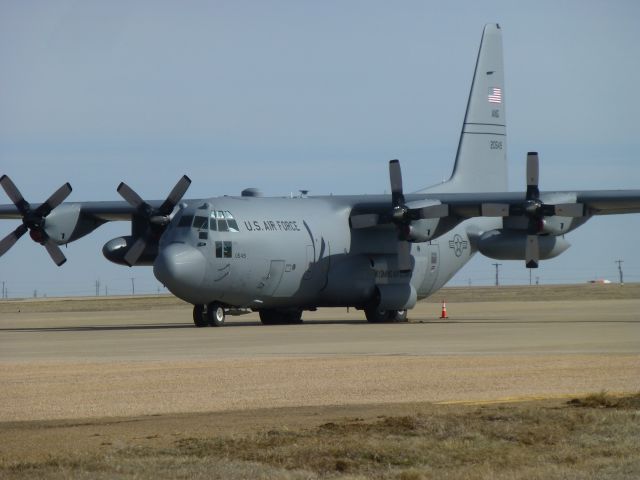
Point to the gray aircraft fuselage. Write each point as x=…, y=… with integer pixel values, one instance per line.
x=285, y=252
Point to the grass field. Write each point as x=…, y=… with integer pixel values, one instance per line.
x=588, y=438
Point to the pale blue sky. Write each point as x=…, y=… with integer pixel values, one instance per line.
x=285, y=95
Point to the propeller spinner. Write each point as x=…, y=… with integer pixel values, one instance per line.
x=534, y=209
x=401, y=215
x=156, y=219
x=34, y=220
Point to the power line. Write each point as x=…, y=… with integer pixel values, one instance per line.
x=619, y=262
x=497, y=265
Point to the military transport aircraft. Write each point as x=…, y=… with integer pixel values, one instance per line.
x=379, y=253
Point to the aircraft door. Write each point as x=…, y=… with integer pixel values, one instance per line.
x=433, y=267
x=318, y=259
x=270, y=283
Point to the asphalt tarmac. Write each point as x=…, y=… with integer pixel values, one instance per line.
x=119, y=363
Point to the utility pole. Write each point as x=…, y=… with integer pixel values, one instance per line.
x=97, y=288
x=619, y=262
x=4, y=290
x=133, y=286
x=497, y=265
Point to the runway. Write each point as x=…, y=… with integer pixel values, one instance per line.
x=151, y=361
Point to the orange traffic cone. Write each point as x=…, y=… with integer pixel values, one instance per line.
x=444, y=310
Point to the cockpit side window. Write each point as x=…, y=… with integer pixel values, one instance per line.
x=185, y=221
x=213, y=224
x=200, y=223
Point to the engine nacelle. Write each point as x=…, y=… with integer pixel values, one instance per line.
x=115, y=250
x=511, y=245
x=422, y=230
x=66, y=223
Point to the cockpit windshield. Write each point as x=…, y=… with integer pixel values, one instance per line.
x=219, y=220
x=223, y=221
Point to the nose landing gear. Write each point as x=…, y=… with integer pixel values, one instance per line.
x=212, y=315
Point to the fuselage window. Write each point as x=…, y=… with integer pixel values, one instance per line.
x=224, y=250
x=227, y=249
x=185, y=221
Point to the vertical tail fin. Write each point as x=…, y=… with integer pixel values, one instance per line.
x=481, y=161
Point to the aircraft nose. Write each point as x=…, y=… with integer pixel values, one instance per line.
x=180, y=268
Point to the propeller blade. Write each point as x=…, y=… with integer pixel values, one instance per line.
x=432, y=211
x=9, y=241
x=494, y=209
x=130, y=196
x=175, y=195
x=532, y=251
x=54, y=252
x=395, y=176
x=54, y=200
x=366, y=220
x=14, y=194
x=533, y=170
x=569, y=210
x=404, y=256
x=134, y=253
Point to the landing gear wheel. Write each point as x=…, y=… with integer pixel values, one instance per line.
x=294, y=316
x=199, y=318
x=267, y=317
x=375, y=315
x=280, y=317
x=215, y=315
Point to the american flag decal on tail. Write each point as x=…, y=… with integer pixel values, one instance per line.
x=495, y=95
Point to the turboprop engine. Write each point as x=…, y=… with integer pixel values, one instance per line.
x=116, y=249
x=512, y=245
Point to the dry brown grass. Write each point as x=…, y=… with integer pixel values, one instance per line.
x=543, y=440
x=612, y=291
x=451, y=294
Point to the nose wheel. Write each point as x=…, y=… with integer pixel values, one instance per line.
x=210, y=315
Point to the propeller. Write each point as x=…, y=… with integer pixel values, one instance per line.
x=401, y=215
x=534, y=209
x=33, y=221
x=156, y=218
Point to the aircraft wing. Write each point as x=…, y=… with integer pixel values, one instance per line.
x=106, y=211
x=595, y=202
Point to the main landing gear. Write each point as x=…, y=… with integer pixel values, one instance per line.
x=375, y=315
x=212, y=315
x=280, y=317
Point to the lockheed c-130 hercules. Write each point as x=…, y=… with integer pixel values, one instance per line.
x=378, y=253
